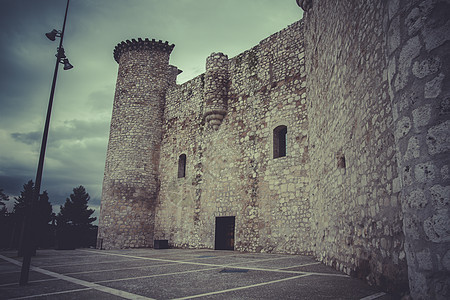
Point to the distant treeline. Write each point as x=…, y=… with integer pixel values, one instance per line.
x=71, y=228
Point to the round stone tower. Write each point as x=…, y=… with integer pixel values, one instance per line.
x=131, y=183
x=216, y=89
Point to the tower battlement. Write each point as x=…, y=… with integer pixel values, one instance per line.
x=141, y=44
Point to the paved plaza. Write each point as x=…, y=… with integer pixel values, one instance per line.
x=176, y=274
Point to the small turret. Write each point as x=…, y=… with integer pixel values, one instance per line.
x=216, y=89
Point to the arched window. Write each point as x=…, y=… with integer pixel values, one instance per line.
x=279, y=141
x=182, y=166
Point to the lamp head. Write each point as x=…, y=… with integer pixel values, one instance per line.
x=52, y=34
x=67, y=65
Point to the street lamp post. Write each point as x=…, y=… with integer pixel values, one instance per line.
x=28, y=239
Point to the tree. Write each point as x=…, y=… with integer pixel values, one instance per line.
x=24, y=200
x=6, y=226
x=3, y=197
x=21, y=205
x=41, y=215
x=74, y=218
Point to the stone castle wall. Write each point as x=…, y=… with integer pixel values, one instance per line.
x=378, y=71
x=356, y=212
x=364, y=184
x=231, y=170
x=418, y=72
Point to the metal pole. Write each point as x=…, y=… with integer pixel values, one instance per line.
x=28, y=243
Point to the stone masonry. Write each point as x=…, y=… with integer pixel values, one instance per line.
x=131, y=183
x=360, y=94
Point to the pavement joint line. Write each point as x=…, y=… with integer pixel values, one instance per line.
x=206, y=264
x=82, y=264
x=228, y=265
x=374, y=296
x=9, y=272
x=326, y=274
x=88, y=284
x=155, y=275
x=44, y=254
x=157, y=265
x=51, y=294
x=242, y=287
x=304, y=265
x=122, y=269
x=258, y=260
x=31, y=281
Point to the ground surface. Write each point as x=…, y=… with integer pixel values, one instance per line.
x=176, y=274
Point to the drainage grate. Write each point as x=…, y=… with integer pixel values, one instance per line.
x=205, y=256
x=234, y=271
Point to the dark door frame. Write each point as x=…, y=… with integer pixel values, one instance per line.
x=224, y=237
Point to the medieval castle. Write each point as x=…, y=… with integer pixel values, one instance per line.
x=330, y=137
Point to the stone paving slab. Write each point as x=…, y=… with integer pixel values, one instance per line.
x=314, y=268
x=13, y=277
x=119, y=274
x=37, y=288
x=309, y=287
x=101, y=266
x=176, y=274
x=190, y=284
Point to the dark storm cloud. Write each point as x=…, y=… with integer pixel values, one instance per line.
x=73, y=130
x=23, y=54
x=10, y=183
x=29, y=138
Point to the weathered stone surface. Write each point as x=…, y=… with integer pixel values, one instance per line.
x=131, y=183
x=361, y=89
x=433, y=87
x=231, y=170
x=409, y=51
x=423, y=152
x=437, y=227
x=426, y=67
x=438, y=138
x=356, y=220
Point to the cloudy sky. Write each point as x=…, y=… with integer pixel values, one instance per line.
x=83, y=100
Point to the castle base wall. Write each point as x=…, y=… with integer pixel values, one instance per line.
x=418, y=43
x=356, y=221
x=231, y=170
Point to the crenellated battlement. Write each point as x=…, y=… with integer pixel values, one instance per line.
x=141, y=44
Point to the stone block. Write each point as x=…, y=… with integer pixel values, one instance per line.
x=438, y=138
x=403, y=127
x=421, y=116
x=426, y=67
x=424, y=172
x=437, y=227
x=433, y=87
x=417, y=199
x=409, y=51
x=424, y=260
x=413, y=149
x=437, y=36
x=440, y=196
